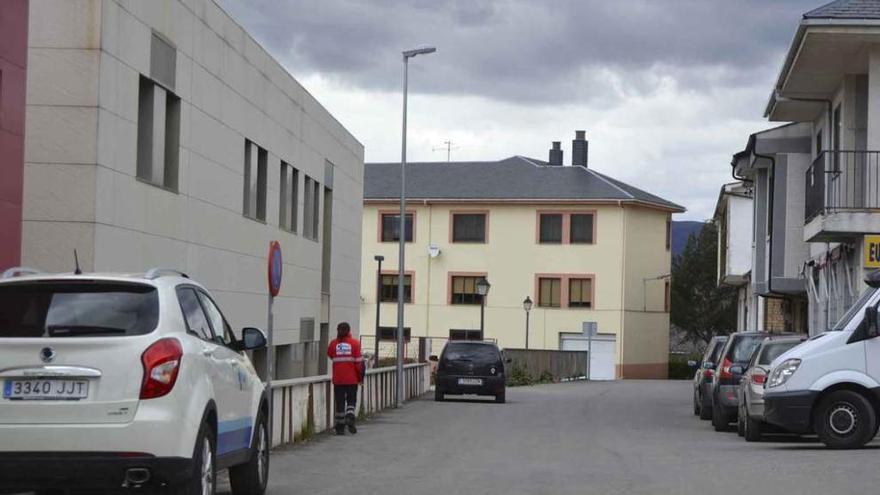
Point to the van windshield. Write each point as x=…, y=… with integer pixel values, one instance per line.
x=855, y=309
x=471, y=352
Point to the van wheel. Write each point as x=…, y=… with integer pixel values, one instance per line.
x=501, y=398
x=252, y=477
x=752, y=429
x=845, y=420
x=438, y=395
x=719, y=419
x=204, y=475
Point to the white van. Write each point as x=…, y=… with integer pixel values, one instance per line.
x=830, y=384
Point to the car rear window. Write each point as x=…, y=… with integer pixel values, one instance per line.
x=744, y=347
x=716, y=348
x=471, y=352
x=773, y=350
x=77, y=309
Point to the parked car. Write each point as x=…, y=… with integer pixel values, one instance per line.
x=129, y=381
x=703, y=377
x=829, y=384
x=470, y=368
x=723, y=392
x=750, y=420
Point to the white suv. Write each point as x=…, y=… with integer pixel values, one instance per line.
x=126, y=381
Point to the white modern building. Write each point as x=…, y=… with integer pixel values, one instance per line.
x=734, y=220
x=160, y=133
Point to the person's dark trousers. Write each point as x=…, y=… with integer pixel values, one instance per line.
x=345, y=398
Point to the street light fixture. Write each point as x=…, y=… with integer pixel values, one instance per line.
x=483, y=286
x=380, y=259
x=398, y=396
x=527, y=305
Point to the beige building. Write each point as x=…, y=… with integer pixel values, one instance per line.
x=582, y=246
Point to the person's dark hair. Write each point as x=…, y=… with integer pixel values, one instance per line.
x=343, y=330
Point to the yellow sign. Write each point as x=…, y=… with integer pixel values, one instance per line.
x=872, y=251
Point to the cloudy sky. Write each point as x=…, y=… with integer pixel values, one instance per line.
x=667, y=90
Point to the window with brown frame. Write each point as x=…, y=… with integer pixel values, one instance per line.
x=550, y=228
x=549, y=292
x=580, y=293
x=581, y=228
x=391, y=227
x=389, y=288
x=468, y=227
x=464, y=290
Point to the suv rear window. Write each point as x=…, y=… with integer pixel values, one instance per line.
x=77, y=309
x=716, y=349
x=744, y=347
x=471, y=352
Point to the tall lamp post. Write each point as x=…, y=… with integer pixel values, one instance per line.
x=527, y=305
x=380, y=259
x=398, y=395
x=483, y=286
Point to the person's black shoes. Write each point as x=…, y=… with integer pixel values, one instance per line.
x=340, y=429
x=352, y=428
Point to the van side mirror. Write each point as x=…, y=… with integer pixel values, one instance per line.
x=871, y=321
x=251, y=339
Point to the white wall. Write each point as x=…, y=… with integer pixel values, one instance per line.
x=739, y=233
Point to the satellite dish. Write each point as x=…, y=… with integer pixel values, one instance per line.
x=433, y=251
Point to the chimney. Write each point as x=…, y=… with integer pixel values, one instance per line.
x=579, y=149
x=556, y=154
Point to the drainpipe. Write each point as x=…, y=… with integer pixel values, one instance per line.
x=771, y=188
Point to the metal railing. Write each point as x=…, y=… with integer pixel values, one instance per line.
x=842, y=181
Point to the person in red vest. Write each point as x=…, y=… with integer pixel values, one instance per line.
x=348, y=372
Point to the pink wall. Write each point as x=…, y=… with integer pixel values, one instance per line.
x=13, y=70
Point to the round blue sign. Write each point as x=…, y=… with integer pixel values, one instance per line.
x=276, y=266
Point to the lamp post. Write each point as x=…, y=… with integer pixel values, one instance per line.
x=483, y=286
x=527, y=305
x=398, y=395
x=380, y=259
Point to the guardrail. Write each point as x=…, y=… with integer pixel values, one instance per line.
x=304, y=406
x=842, y=181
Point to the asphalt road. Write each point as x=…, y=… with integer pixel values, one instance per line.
x=628, y=437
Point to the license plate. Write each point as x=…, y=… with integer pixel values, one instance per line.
x=40, y=389
x=470, y=381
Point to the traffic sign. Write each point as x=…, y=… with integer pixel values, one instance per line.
x=276, y=267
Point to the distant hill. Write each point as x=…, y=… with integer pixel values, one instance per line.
x=680, y=233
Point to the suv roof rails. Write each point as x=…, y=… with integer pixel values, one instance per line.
x=154, y=273
x=17, y=271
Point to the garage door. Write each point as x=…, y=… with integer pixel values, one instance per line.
x=604, y=353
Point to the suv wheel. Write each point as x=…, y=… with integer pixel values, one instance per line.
x=204, y=475
x=696, y=404
x=845, y=420
x=705, y=412
x=501, y=398
x=752, y=429
x=252, y=477
x=438, y=395
x=740, y=423
x=719, y=419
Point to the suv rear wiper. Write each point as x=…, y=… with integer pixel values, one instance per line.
x=75, y=330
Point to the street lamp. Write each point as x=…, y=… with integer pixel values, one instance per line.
x=483, y=286
x=527, y=305
x=398, y=396
x=380, y=259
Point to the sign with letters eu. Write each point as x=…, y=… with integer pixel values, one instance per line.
x=872, y=251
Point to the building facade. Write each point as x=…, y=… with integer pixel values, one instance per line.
x=161, y=133
x=582, y=246
x=734, y=220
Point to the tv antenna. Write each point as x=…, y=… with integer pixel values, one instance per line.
x=447, y=145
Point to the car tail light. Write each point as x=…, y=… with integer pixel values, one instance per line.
x=724, y=371
x=161, y=363
x=759, y=378
x=708, y=373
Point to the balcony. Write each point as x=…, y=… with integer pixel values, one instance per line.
x=842, y=196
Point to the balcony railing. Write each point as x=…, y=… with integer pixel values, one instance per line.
x=842, y=181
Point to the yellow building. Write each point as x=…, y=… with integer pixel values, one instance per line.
x=582, y=246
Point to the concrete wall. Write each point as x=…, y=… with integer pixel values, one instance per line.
x=81, y=187
x=739, y=235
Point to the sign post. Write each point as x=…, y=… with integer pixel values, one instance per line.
x=589, y=330
x=275, y=269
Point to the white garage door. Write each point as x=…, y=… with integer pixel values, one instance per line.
x=604, y=353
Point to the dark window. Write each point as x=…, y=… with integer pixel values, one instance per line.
x=196, y=321
x=744, y=347
x=819, y=143
x=580, y=293
x=464, y=290
x=77, y=310
x=667, y=297
x=215, y=317
x=469, y=227
x=287, y=206
x=389, y=288
x=255, y=162
x=549, y=292
x=316, y=209
x=391, y=227
x=668, y=234
x=474, y=352
x=551, y=228
x=390, y=333
x=158, y=134
x=464, y=335
x=771, y=351
x=581, y=228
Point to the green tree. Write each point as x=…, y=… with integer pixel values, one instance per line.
x=701, y=308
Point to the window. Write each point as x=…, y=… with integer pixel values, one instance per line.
x=667, y=296
x=158, y=134
x=464, y=290
x=316, y=209
x=390, y=333
x=668, y=234
x=311, y=208
x=551, y=228
x=549, y=292
x=196, y=321
x=468, y=227
x=581, y=228
x=287, y=207
x=391, y=227
x=222, y=331
x=255, y=159
x=464, y=335
x=818, y=143
x=580, y=293
x=389, y=288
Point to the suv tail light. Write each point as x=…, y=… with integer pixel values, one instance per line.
x=724, y=371
x=161, y=363
x=708, y=373
x=758, y=378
